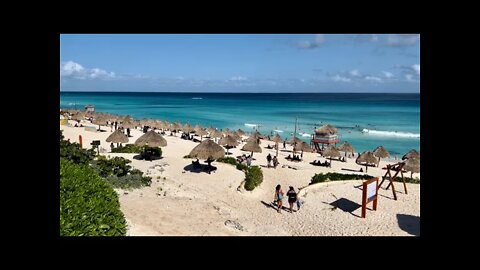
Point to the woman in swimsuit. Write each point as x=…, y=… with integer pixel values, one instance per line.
x=278, y=197
x=292, y=197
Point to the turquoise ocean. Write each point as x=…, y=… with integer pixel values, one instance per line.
x=366, y=120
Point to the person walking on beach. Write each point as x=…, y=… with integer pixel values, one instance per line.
x=249, y=161
x=278, y=197
x=116, y=125
x=275, y=162
x=128, y=132
x=292, y=197
x=284, y=143
x=269, y=159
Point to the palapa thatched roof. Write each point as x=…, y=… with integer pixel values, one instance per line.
x=366, y=157
x=294, y=140
x=412, y=165
x=381, y=152
x=240, y=132
x=326, y=129
x=228, y=141
x=254, y=138
x=346, y=147
x=411, y=154
x=215, y=134
x=331, y=151
x=128, y=124
x=201, y=132
x=277, y=139
x=207, y=150
x=151, y=138
x=187, y=128
x=303, y=146
x=252, y=147
x=117, y=137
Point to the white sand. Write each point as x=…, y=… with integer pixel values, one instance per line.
x=187, y=203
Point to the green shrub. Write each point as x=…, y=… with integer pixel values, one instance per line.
x=129, y=181
x=88, y=205
x=129, y=148
x=229, y=160
x=114, y=166
x=320, y=177
x=241, y=167
x=75, y=153
x=253, y=177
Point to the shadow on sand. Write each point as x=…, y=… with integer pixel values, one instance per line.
x=274, y=206
x=409, y=223
x=139, y=157
x=200, y=168
x=345, y=205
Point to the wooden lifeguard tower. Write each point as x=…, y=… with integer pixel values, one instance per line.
x=398, y=168
x=326, y=134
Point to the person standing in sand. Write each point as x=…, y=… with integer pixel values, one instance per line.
x=278, y=197
x=269, y=159
x=292, y=197
x=275, y=162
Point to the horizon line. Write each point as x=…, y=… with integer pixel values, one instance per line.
x=83, y=91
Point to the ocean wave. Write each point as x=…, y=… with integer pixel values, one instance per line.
x=277, y=130
x=391, y=133
x=305, y=134
x=250, y=125
x=197, y=98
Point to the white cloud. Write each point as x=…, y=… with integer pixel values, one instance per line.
x=339, y=78
x=416, y=68
x=387, y=74
x=318, y=40
x=409, y=77
x=373, y=78
x=238, y=78
x=399, y=40
x=355, y=73
x=74, y=70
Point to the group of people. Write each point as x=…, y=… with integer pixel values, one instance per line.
x=294, y=158
x=292, y=198
x=245, y=159
x=319, y=163
x=273, y=161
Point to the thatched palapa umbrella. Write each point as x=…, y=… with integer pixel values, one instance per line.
x=411, y=154
x=99, y=120
x=330, y=152
x=252, y=147
x=240, y=132
x=346, y=147
x=277, y=139
x=412, y=165
x=215, y=134
x=228, y=142
x=201, y=132
x=381, y=152
x=152, y=139
x=208, y=150
x=366, y=158
x=304, y=147
x=117, y=137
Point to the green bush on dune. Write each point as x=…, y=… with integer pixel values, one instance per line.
x=74, y=153
x=321, y=177
x=253, y=177
x=88, y=204
x=129, y=148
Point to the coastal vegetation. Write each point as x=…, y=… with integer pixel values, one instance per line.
x=253, y=175
x=89, y=205
x=324, y=177
x=132, y=148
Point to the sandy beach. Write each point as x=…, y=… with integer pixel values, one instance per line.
x=184, y=203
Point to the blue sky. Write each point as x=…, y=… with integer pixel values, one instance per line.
x=241, y=63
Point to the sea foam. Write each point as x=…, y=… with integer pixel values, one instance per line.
x=391, y=133
x=250, y=125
